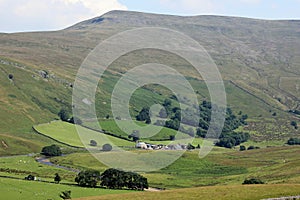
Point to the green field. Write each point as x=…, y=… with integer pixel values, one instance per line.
x=67, y=133
x=34, y=190
x=220, y=167
x=22, y=166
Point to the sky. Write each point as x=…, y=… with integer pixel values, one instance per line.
x=43, y=15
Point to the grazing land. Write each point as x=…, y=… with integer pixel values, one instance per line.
x=258, y=61
x=221, y=166
x=33, y=190
x=67, y=133
x=249, y=192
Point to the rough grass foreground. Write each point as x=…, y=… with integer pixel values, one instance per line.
x=247, y=192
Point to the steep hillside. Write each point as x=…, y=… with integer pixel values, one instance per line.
x=259, y=61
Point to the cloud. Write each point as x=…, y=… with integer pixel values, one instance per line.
x=50, y=14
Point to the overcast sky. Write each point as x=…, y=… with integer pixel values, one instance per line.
x=41, y=15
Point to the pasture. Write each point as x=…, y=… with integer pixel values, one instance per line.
x=241, y=192
x=34, y=190
x=67, y=133
x=278, y=165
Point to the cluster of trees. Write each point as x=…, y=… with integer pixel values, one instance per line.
x=117, y=179
x=65, y=115
x=293, y=141
x=297, y=112
x=52, y=150
x=175, y=116
x=189, y=117
x=112, y=179
x=232, y=139
x=135, y=135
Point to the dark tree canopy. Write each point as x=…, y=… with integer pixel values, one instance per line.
x=106, y=147
x=65, y=194
x=293, y=141
x=242, y=148
x=230, y=140
x=135, y=135
x=52, y=150
x=64, y=114
x=88, y=178
x=253, y=181
x=117, y=179
x=93, y=143
x=29, y=177
x=75, y=120
x=144, y=115
x=57, y=178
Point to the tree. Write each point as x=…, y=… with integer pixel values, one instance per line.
x=294, y=124
x=148, y=121
x=10, y=76
x=242, y=148
x=57, y=178
x=251, y=147
x=107, y=116
x=173, y=124
x=144, y=115
x=88, y=178
x=75, y=120
x=135, y=135
x=167, y=102
x=93, y=143
x=30, y=177
x=64, y=114
x=200, y=133
x=172, y=137
x=190, y=146
x=293, y=141
x=52, y=150
x=65, y=195
x=106, y=147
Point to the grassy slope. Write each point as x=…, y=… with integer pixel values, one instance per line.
x=21, y=189
x=67, y=133
x=249, y=192
x=26, y=100
x=128, y=127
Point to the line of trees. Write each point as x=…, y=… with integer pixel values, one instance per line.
x=112, y=179
x=293, y=141
x=232, y=139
